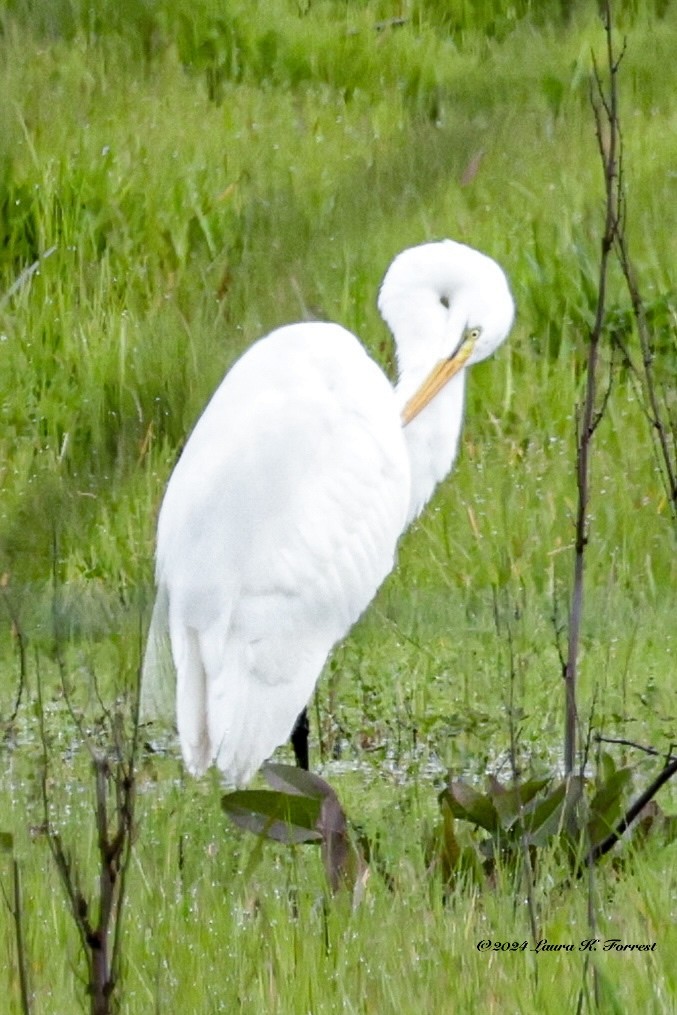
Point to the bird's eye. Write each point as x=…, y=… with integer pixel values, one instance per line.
x=444, y=300
x=474, y=333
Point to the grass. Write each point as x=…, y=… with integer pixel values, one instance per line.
x=204, y=178
x=202, y=934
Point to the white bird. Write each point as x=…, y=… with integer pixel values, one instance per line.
x=282, y=516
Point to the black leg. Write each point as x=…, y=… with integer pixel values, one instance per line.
x=299, y=740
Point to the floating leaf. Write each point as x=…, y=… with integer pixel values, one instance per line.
x=284, y=817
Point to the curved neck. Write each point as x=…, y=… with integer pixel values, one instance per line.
x=432, y=438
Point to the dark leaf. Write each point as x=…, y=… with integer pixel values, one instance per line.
x=467, y=804
x=545, y=820
x=284, y=817
x=606, y=805
x=509, y=800
x=344, y=862
x=294, y=780
x=6, y=842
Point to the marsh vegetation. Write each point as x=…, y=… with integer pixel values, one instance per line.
x=176, y=182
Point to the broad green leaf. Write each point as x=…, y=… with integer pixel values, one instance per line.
x=284, y=817
x=466, y=803
x=544, y=821
x=607, y=765
x=571, y=819
x=606, y=805
x=508, y=800
x=610, y=790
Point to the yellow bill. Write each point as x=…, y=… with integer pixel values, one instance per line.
x=440, y=375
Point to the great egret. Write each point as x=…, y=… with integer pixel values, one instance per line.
x=283, y=513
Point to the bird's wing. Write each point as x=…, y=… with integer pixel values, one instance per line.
x=278, y=526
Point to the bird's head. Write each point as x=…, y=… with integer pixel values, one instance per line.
x=448, y=306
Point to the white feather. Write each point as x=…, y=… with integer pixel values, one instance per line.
x=282, y=516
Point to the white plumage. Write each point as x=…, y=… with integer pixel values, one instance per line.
x=282, y=516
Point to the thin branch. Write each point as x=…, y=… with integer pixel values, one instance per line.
x=17, y=913
x=61, y=860
x=668, y=457
x=17, y=631
x=15, y=907
x=559, y=628
x=661, y=426
x=669, y=756
x=600, y=413
x=588, y=739
x=606, y=845
x=658, y=447
x=588, y=419
x=100, y=939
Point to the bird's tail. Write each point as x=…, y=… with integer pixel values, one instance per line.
x=173, y=684
x=250, y=714
x=158, y=677
x=235, y=702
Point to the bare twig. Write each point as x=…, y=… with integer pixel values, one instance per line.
x=658, y=415
x=605, y=108
x=559, y=628
x=15, y=906
x=669, y=756
x=17, y=631
x=100, y=937
x=114, y=796
x=59, y=856
x=17, y=912
x=588, y=738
